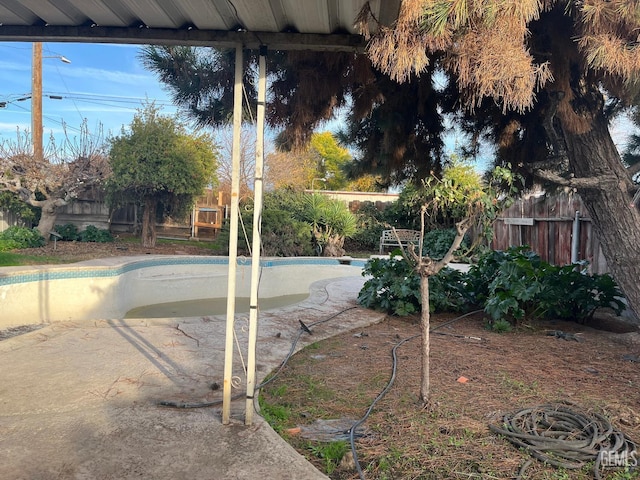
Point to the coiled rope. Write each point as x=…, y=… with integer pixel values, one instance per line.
x=564, y=437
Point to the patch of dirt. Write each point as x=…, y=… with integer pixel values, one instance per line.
x=339, y=378
x=69, y=252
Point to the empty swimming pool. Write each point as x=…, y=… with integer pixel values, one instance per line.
x=109, y=288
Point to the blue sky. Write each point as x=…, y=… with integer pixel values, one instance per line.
x=103, y=84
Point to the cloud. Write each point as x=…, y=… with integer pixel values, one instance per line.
x=13, y=126
x=11, y=131
x=104, y=77
x=13, y=66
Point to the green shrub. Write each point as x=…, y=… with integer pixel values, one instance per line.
x=95, y=234
x=6, y=245
x=10, y=201
x=447, y=291
x=437, y=243
x=500, y=326
x=22, y=237
x=370, y=225
x=394, y=287
x=509, y=286
x=517, y=284
x=282, y=234
x=69, y=232
x=572, y=294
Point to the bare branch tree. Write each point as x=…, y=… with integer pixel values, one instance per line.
x=56, y=179
x=481, y=203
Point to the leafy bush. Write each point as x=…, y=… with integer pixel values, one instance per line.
x=517, y=284
x=394, y=287
x=447, y=291
x=6, y=245
x=500, y=326
x=10, y=201
x=369, y=229
x=69, y=232
x=283, y=235
x=574, y=295
x=330, y=221
x=95, y=234
x=510, y=286
x=21, y=237
x=437, y=243
x=404, y=212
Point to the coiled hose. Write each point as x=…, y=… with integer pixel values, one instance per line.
x=564, y=437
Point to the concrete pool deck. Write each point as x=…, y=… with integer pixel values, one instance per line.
x=79, y=400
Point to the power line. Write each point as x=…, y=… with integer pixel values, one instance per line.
x=57, y=67
x=130, y=104
x=112, y=98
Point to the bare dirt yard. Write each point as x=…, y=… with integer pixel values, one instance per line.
x=69, y=252
x=592, y=369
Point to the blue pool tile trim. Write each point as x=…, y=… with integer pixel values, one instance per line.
x=66, y=273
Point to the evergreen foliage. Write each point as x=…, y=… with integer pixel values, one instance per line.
x=20, y=237
x=157, y=165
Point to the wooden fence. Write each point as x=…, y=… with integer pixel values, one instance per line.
x=544, y=223
x=82, y=213
x=547, y=225
x=10, y=219
x=205, y=220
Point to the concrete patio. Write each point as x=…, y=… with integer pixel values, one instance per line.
x=81, y=400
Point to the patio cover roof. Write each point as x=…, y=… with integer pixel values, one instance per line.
x=280, y=24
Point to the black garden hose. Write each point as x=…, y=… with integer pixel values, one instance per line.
x=394, y=367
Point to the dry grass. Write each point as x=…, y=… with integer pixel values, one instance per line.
x=341, y=376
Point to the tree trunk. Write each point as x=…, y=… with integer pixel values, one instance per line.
x=49, y=213
x=425, y=318
x=616, y=221
x=333, y=247
x=426, y=267
x=149, y=223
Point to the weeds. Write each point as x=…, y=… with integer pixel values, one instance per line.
x=518, y=387
x=331, y=453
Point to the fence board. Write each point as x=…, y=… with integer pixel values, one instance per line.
x=83, y=213
x=10, y=219
x=551, y=234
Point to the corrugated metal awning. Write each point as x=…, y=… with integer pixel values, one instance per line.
x=280, y=24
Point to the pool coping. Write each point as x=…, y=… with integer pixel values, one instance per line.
x=115, y=266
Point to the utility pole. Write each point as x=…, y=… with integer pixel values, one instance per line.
x=36, y=98
x=36, y=101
